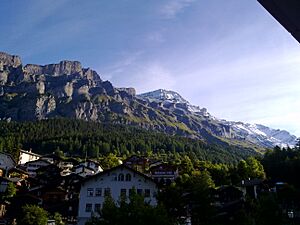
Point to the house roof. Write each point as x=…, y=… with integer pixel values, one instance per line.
x=49, y=168
x=286, y=12
x=16, y=169
x=92, y=160
x=71, y=160
x=135, y=158
x=115, y=168
x=38, y=160
x=52, y=156
x=8, y=156
x=29, y=153
x=84, y=167
x=163, y=166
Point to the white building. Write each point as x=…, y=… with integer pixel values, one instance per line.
x=83, y=171
x=117, y=182
x=27, y=156
x=88, y=168
x=94, y=165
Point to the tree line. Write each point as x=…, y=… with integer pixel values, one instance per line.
x=91, y=139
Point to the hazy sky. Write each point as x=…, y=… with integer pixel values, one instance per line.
x=229, y=56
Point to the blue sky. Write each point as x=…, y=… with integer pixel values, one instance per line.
x=231, y=57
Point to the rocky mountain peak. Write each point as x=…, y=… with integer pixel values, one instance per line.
x=63, y=68
x=65, y=89
x=130, y=90
x=163, y=95
x=9, y=60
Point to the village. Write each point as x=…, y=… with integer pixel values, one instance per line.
x=77, y=190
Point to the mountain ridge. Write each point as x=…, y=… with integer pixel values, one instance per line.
x=66, y=89
x=255, y=133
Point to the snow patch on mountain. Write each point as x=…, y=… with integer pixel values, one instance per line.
x=268, y=136
x=254, y=133
x=166, y=97
x=163, y=95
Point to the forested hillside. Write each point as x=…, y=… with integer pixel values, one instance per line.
x=81, y=138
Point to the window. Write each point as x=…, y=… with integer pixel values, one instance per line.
x=97, y=208
x=121, y=177
x=147, y=193
x=128, y=177
x=98, y=192
x=88, y=207
x=139, y=191
x=107, y=192
x=123, y=193
x=90, y=192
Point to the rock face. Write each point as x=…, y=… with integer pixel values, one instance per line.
x=130, y=91
x=62, y=68
x=65, y=89
x=9, y=60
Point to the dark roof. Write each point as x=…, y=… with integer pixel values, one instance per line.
x=71, y=160
x=164, y=166
x=53, y=156
x=228, y=187
x=117, y=167
x=92, y=160
x=43, y=160
x=18, y=170
x=286, y=12
x=135, y=158
x=83, y=166
x=48, y=168
x=10, y=156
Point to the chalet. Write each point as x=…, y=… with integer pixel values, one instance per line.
x=164, y=173
x=252, y=187
x=47, y=174
x=153, y=163
x=227, y=196
x=66, y=168
x=228, y=200
x=52, y=158
x=27, y=156
x=65, y=164
x=92, y=164
x=137, y=163
x=116, y=182
x=83, y=171
x=32, y=166
x=88, y=168
x=59, y=194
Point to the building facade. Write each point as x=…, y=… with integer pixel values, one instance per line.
x=32, y=166
x=116, y=182
x=27, y=156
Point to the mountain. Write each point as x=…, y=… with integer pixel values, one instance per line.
x=253, y=133
x=66, y=89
